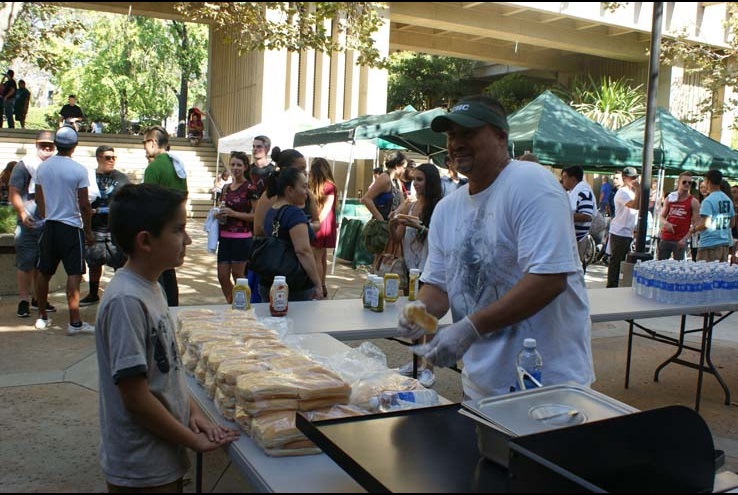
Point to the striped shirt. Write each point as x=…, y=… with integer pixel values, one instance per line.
x=581, y=200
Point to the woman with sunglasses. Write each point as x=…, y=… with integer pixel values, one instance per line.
x=680, y=214
x=235, y=236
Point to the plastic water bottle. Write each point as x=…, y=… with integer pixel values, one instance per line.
x=530, y=361
x=222, y=220
x=391, y=401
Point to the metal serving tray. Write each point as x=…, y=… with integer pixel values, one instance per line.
x=534, y=411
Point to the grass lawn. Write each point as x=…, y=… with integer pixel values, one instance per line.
x=36, y=118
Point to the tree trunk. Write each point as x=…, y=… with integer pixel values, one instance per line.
x=183, y=82
x=125, y=126
x=8, y=14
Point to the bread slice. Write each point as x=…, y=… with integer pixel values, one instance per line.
x=415, y=312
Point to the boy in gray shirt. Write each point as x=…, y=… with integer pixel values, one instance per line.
x=147, y=417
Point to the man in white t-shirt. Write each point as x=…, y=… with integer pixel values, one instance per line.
x=63, y=203
x=502, y=256
x=623, y=223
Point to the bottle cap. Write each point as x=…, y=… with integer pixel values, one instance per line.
x=242, y=281
x=414, y=270
x=280, y=278
x=529, y=343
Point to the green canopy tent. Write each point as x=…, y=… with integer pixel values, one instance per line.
x=356, y=129
x=560, y=136
x=353, y=131
x=679, y=148
x=363, y=128
x=414, y=133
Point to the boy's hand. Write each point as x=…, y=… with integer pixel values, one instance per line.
x=203, y=443
x=210, y=435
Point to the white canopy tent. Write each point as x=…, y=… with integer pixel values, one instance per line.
x=341, y=152
x=280, y=128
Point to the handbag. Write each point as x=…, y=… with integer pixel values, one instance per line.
x=598, y=222
x=272, y=256
x=392, y=261
x=376, y=235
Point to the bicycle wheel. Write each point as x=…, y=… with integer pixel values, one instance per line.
x=590, y=251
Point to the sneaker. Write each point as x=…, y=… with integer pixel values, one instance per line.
x=49, y=307
x=406, y=369
x=426, y=378
x=89, y=300
x=42, y=324
x=84, y=328
x=24, y=309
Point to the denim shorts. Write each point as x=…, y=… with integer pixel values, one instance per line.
x=26, y=248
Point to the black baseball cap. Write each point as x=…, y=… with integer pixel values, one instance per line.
x=469, y=114
x=630, y=172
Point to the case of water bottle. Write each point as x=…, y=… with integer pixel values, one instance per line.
x=686, y=282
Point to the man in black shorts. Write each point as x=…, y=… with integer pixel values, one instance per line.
x=104, y=251
x=64, y=206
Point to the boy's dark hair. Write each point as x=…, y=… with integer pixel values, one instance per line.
x=102, y=149
x=142, y=207
x=575, y=171
x=159, y=134
x=714, y=176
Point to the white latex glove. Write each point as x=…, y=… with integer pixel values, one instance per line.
x=450, y=344
x=407, y=329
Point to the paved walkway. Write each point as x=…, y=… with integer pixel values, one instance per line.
x=48, y=383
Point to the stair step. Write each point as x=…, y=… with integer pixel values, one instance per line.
x=200, y=161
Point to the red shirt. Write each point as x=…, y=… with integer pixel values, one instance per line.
x=680, y=216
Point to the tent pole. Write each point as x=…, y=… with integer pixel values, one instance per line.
x=658, y=9
x=343, y=206
x=656, y=227
x=217, y=174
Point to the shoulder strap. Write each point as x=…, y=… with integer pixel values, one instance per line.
x=276, y=222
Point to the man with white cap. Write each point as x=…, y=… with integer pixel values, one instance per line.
x=504, y=259
x=64, y=205
x=22, y=197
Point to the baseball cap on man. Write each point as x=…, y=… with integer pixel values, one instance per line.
x=66, y=137
x=630, y=172
x=45, y=137
x=470, y=114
